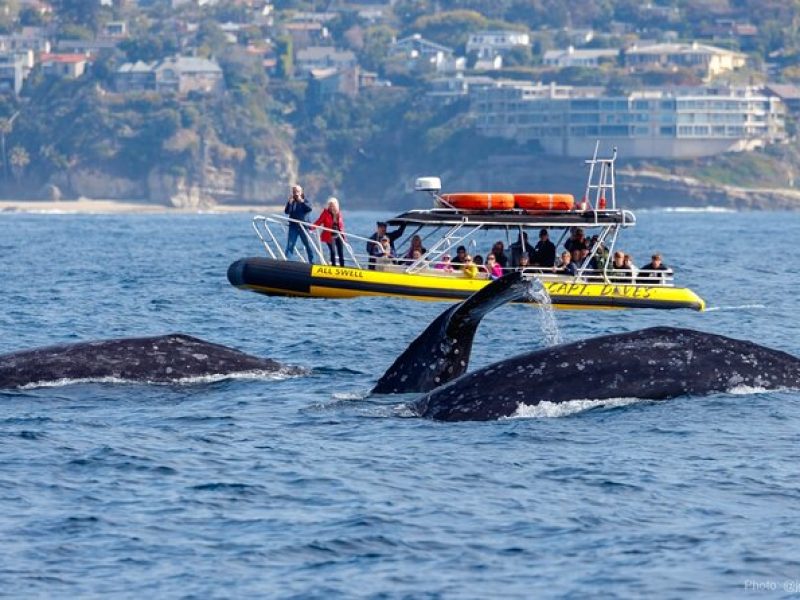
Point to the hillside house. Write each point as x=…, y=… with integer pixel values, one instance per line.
x=707, y=60
x=571, y=57
x=488, y=44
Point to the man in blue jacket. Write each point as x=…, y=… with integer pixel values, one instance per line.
x=297, y=208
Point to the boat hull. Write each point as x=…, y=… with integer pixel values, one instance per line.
x=286, y=278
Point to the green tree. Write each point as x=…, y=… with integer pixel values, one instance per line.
x=519, y=56
x=30, y=17
x=211, y=40
x=451, y=28
x=83, y=13
x=6, y=126
x=149, y=47
x=377, y=41
x=283, y=49
x=20, y=159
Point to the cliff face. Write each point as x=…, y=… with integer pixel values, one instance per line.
x=94, y=183
x=636, y=188
x=268, y=182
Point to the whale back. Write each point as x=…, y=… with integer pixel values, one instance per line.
x=154, y=359
x=441, y=353
x=655, y=363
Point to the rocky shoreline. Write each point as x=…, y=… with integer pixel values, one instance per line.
x=636, y=188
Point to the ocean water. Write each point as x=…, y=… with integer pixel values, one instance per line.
x=304, y=487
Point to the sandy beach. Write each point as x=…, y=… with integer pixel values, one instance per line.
x=112, y=207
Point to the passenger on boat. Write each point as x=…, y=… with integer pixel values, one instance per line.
x=374, y=249
x=631, y=268
x=655, y=269
x=585, y=262
x=385, y=261
x=298, y=208
x=470, y=269
x=482, y=272
x=461, y=258
x=493, y=267
x=576, y=240
x=445, y=264
x=565, y=265
x=618, y=271
x=333, y=233
x=499, y=254
x=524, y=262
x=415, y=256
x=520, y=247
x=601, y=252
x=544, y=253
x=575, y=260
x=416, y=245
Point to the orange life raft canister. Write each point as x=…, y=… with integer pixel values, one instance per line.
x=480, y=201
x=544, y=201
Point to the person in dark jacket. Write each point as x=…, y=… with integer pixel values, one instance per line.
x=520, y=247
x=655, y=269
x=576, y=241
x=298, y=208
x=544, y=253
x=374, y=250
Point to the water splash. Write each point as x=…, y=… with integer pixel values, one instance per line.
x=257, y=374
x=554, y=410
x=537, y=292
x=735, y=307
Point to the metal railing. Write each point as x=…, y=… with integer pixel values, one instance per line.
x=431, y=262
x=274, y=247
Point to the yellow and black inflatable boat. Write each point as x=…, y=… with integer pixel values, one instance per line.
x=286, y=278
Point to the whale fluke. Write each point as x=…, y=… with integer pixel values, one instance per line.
x=441, y=352
x=656, y=364
x=152, y=359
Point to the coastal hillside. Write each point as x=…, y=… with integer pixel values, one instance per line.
x=231, y=102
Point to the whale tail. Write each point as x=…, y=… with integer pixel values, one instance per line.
x=441, y=352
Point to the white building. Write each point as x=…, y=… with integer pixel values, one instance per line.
x=488, y=44
x=579, y=58
x=179, y=74
x=452, y=88
x=709, y=60
x=323, y=57
x=676, y=123
x=65, y=66
x=12, y=72
x=416, y=45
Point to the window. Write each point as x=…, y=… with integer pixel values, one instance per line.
x=584, y=104
x=614, y=130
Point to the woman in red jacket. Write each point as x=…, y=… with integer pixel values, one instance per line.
x=333, y=234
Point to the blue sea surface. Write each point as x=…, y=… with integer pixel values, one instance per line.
x=304, y=487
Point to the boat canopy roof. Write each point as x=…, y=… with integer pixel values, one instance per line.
x=514, y=218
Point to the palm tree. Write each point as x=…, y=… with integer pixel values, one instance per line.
x=19, y=160
x=5, y=128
